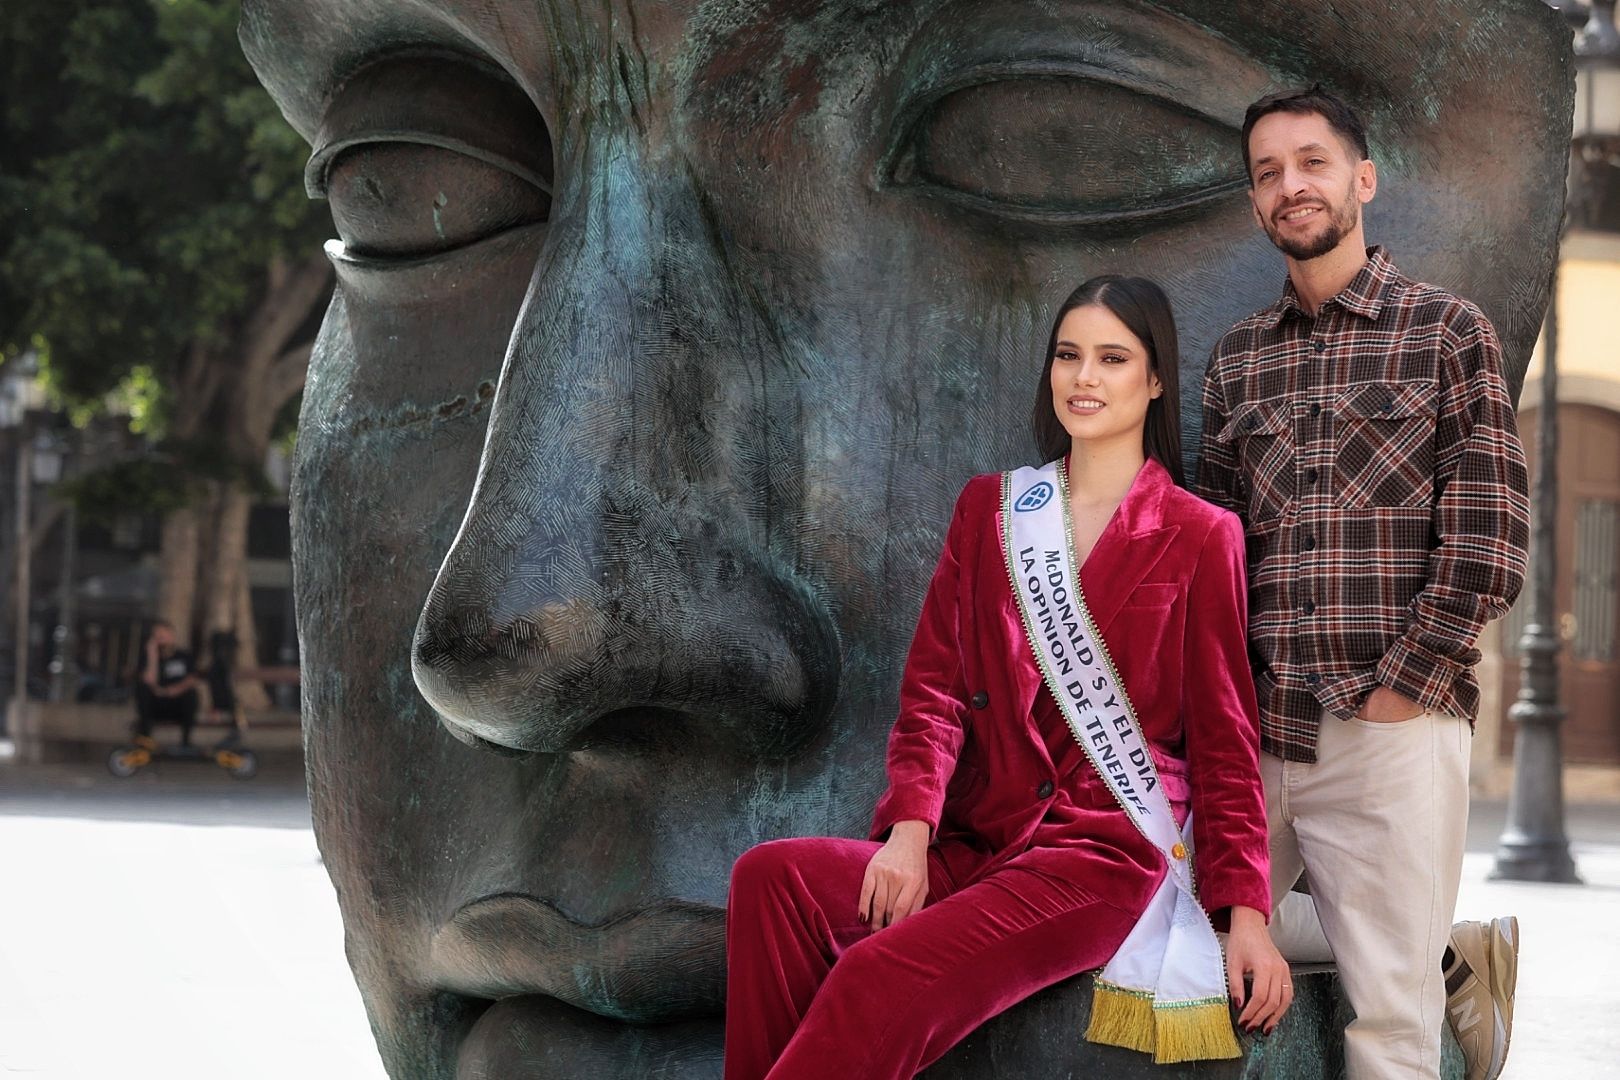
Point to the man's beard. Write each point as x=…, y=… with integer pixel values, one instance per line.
x=1341, y=221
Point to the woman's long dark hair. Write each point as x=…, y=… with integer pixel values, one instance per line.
x=1145, y=310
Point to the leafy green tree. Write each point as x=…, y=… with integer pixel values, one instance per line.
x=156, y=245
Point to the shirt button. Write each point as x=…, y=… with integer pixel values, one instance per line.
x=1316, y=410
x=1310, y=476
x=980, y=700
x=1319, y=346
x=1312, y=679
x=1309, y=607
x=1309, y=543
x=1045, y=790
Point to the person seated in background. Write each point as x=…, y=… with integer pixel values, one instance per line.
x=167, y=688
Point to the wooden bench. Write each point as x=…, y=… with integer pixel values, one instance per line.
x=73, y=731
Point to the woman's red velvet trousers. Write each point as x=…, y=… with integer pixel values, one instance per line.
x=813, y=993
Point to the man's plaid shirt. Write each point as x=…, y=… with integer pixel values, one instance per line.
x=1373, y=455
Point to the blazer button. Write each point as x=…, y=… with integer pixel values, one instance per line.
x=980, y=700
x=1045, y=790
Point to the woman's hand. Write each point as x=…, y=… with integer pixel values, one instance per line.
x=896, y=881
x=1249, y=951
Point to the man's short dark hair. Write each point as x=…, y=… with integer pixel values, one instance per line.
x=1340, y=117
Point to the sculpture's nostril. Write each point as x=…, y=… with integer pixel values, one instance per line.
x=696, y=645
x=643, y=731
x=477, y=743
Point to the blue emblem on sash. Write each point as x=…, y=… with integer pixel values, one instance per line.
x=1035, y=498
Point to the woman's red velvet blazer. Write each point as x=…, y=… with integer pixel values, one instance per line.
x=1166, y=588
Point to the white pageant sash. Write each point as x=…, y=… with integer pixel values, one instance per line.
x=1164, y=992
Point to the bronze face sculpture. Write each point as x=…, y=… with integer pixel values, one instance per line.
x=665, y=336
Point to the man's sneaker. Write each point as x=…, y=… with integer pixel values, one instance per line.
x=1480, y=980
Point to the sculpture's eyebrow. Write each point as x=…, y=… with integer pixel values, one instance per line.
x=910, y=49
x=302, y=53
x=1142, y=46
x=447, y=102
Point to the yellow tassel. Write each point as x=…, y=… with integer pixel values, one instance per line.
x=1194, y=1032
x=1121, y=1017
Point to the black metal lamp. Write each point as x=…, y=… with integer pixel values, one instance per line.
x=1533, y=845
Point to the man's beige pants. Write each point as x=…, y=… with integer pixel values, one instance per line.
x=1377, y=824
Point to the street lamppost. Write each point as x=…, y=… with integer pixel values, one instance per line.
x=1533, y=845
x=19, y=399
x=64, y=666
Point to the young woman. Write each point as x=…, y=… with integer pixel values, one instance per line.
x=1007, y=853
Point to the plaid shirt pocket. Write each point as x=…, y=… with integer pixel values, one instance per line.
x=1386, y=444
x=1263, y=440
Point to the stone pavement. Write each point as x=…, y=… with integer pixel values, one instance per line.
x=180, y=925
x=176, y=925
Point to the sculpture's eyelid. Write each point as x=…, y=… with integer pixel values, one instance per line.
x=449, y=102
x=908, y=162
x=1078, y=70
x=317, y=171
x=350, y=262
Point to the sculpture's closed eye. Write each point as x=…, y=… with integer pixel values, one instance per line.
x=421, y=155
x=410, y=200
x=1066, y=149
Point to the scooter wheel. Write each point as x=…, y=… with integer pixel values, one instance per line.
x=124, y=763
x=246, y=765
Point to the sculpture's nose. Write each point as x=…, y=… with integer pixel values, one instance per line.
x=621, y=574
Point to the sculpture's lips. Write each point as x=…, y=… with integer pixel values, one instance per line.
x=540, y=1038
x=656, y=964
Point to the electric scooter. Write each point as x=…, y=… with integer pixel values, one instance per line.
x=229, y=754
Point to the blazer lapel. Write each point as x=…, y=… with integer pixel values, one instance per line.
x=1130, y=546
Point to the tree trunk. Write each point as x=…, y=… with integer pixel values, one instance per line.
x=180, y=569
x=229, y=599
x=268, y=372
x=251, y=694
x=180, y=551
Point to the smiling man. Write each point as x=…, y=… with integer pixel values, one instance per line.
x=1362, y=428
x=663, y=333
